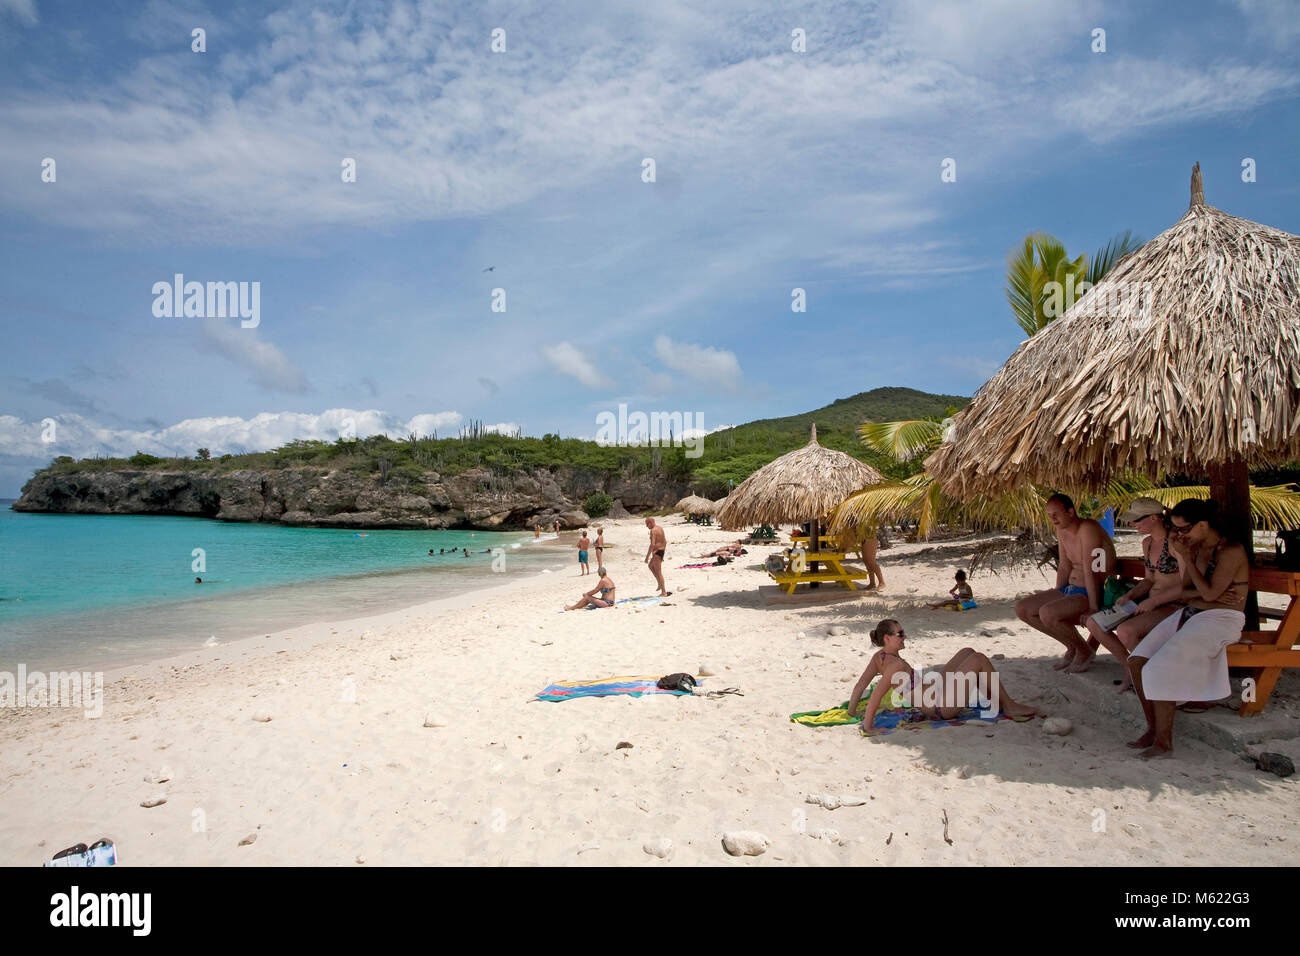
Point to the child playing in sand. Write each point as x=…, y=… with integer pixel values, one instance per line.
x=963, y=599
x=896, y=680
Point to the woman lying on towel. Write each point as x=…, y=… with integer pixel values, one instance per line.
x=1184, y=658
x=899, y=686
x=604, y=587
x=726, y=551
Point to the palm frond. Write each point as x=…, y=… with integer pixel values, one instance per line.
x=1272, y=507
x=901, y=440
x=1109, y=255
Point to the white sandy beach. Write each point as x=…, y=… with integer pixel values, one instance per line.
x=346, y=773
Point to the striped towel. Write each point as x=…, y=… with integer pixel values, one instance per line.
x=606, y=687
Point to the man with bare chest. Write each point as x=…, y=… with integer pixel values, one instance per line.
x=655, y=555
x=1087, y=558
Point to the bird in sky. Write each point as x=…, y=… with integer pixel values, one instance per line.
x=489, y=268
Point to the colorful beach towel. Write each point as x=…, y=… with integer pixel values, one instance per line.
x=889, y=721
x=606, y=687
x=706, y=564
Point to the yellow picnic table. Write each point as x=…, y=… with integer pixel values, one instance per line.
x=836, y=571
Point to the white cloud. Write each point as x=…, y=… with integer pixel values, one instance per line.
x=268, y=367
x=441, y=129
x=566, y=358
x=24, y=10
x=81, y=437
x=700, y=363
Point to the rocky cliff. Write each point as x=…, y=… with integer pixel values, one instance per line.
x=340, y=498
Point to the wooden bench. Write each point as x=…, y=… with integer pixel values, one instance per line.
x=1263, y=653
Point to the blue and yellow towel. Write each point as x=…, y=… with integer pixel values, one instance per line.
x=606, y=687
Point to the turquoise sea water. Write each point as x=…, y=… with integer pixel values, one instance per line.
x=98, y=591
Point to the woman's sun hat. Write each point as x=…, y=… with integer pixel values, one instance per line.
x=1141, y=508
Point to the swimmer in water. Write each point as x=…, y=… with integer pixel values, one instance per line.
x=198, y=580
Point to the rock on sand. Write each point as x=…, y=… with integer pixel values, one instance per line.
x=1058, y=725
x=745, y=843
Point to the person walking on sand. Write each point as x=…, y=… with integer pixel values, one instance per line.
x=654, y=555
x=557, y=525
x=583, y=544
x=537, y=531
x=1087, y=557
x=600, y=545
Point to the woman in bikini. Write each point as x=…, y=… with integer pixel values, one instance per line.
x=600, y=545
x=1184, y=658
x=1157, y=595
x=604, y=587
x=897, y=678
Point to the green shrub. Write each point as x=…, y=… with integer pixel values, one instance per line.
x=141, y=460
x=597, y=504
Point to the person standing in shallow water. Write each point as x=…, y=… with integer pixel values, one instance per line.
x=654, y=555
x=583, y=544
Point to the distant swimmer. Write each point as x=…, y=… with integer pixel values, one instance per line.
x=431, y=551
x=466, y=550
x=198, y=580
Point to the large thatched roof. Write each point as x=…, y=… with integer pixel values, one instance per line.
x=695, y=505
x=800, y=486
x=1187, y=355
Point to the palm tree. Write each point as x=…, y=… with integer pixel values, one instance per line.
x=1043, y=281
x=920, y=498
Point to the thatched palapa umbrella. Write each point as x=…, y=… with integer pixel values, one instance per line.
x=695, y=505
x=800, y=486
x=1185, y=358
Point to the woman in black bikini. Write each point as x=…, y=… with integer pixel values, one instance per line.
x=1157, y=595
x=1184, y=657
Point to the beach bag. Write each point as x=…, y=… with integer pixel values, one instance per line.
x=1115, y=588
x=681, y=681
x=1288, y=550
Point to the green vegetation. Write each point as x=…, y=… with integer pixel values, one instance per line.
x=728, y=455
x=1041, y=262
x=597, y=504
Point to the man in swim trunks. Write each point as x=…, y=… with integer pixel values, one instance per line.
x=583, y=544
x=1087, y=557
x=654, y=555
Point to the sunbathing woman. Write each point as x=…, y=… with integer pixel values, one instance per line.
x=1184, y=657
x=606, y=589
x=1157, y=595
x=896, y=680
x=726, y=551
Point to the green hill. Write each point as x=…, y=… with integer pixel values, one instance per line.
x=729, y=455
x=733, y=453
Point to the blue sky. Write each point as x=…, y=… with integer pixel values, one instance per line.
x=774, y=170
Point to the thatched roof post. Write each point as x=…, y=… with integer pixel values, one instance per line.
x=1198, y=188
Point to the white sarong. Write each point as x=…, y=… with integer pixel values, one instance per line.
x=1190, y=663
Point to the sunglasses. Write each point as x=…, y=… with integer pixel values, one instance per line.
x=1179, y=528
x=900, y=633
